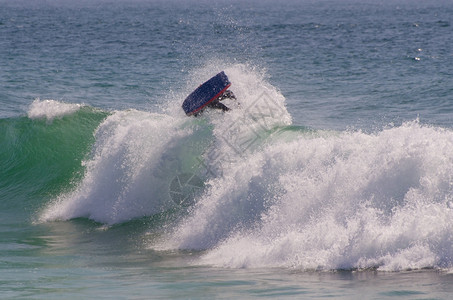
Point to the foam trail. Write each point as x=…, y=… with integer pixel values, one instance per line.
x=51, y=109
x=331, y=201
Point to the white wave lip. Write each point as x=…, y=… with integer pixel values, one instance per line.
x=127, y=176
x=332, y=201
x=51, y=109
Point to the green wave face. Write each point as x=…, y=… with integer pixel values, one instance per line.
x=41, y=158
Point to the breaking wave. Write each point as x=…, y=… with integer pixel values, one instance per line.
x=272, y=194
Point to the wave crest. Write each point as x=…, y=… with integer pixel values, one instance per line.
x=51, y=109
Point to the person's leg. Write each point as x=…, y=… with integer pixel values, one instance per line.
x=216, y=104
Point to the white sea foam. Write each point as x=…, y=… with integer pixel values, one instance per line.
x=346, y=200
x=51, y=109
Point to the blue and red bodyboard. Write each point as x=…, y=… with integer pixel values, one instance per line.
x=206, y=93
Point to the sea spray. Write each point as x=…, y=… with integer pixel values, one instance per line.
x=138, y=155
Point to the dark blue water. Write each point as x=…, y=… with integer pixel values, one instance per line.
x=331, y=178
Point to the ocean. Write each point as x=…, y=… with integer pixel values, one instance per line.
x=331, y=175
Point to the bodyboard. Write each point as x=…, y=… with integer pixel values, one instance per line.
x=206, y=93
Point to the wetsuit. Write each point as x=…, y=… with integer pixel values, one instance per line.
x=216, y=103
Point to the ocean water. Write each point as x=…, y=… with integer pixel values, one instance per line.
x=332, y=175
